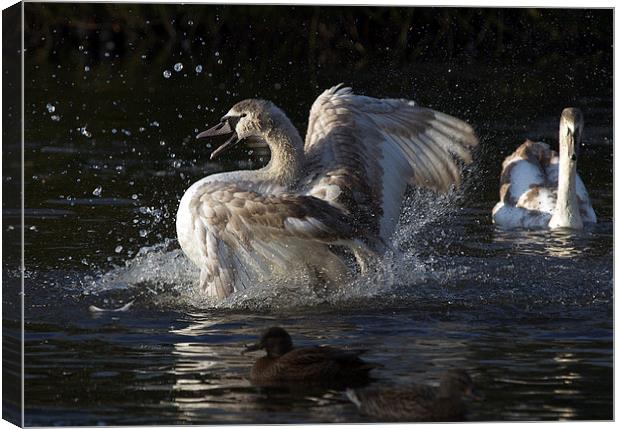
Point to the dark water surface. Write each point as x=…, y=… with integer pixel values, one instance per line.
x=110, y=151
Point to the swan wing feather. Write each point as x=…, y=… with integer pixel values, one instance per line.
x=244, y=233
x=361, y=152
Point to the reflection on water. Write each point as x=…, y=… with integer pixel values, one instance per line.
x=187, y=367
x=556, y=243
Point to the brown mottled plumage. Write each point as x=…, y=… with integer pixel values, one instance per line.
x=416, y=402
x=344, y=186
x=540, y=188
x=308, y=365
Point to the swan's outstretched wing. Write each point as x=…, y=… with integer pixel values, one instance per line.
x=243, y=235
x=362, y=152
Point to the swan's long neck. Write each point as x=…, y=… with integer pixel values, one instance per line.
x=287, y=153
x=566, y=214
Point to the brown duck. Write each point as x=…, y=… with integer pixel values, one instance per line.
x=416, y=402
x=308, y=365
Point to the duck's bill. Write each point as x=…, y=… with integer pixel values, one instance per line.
x=251, y=348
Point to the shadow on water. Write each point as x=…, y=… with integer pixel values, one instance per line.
x=110, y=149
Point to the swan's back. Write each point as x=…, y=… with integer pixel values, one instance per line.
x=528, y=188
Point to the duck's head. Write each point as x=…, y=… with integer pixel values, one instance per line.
x=247, y=119
x=571, y=129
x=275, y=341
x=457, y=382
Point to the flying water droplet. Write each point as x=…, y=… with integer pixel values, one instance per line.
x=85, y=132
x=50, y=107
x=167, y=74
x=97, y=191
x=178, y=67
x=118, y=249
x=198, y=68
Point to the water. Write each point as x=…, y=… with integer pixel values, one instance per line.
x=529, y=314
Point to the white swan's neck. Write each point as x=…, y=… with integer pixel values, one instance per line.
x=287, y=154
x=566, y=214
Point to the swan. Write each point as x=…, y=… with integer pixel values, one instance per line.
x=540, y=189
x=342, y=187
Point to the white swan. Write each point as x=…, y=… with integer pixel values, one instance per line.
x=343, y=187
x=539, y=189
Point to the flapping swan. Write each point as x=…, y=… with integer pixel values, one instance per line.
x=318, y=365
x=343, y=187
x=539, y=189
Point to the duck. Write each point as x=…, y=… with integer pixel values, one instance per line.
x=341, y=188
x=318, y=365
x=417, y=402
x=541, y=189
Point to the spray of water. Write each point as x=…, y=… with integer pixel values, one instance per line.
x=163, y=271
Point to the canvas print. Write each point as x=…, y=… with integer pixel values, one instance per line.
x=260, y=214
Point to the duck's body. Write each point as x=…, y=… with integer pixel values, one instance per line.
x=314, y=365
x=284, y=364
x=540, y=188
x=416, y=402
x=344, y=186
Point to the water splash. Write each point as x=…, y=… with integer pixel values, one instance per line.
x=422, y=271
x=165, y=269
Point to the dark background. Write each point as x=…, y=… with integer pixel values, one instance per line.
x=319, y=37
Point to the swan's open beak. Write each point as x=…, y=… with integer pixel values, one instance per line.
x=224, y=127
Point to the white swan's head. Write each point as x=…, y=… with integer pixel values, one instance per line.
x=571, y=130
x=247, y=119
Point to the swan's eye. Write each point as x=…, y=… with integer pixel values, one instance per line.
x=573, y=158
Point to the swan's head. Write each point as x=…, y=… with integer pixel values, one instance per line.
x=571, y=130
x=248, y=119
